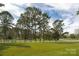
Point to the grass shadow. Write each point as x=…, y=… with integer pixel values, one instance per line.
x=4, y=46
x=14, y=44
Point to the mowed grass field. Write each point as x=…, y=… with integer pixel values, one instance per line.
x=40, y=49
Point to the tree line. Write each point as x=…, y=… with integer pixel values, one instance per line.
x=33, y=24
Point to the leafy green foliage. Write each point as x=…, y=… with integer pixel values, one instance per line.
x=6, y=23
x=57, y=29
x=33, y=21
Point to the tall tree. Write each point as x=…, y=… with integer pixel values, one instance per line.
x=43, y=25
x=6, y=21
x=58, y=29
x=33, y=20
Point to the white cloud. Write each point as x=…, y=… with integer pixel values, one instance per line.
x=72, y=8
x=64, y=6
x=51, y=20
x=73, y=26
x=72, y=21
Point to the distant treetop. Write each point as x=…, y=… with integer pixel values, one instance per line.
x=1, y=4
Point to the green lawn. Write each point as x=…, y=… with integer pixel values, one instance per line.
x=40, y=49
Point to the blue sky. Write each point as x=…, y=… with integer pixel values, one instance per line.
x=64, y=11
